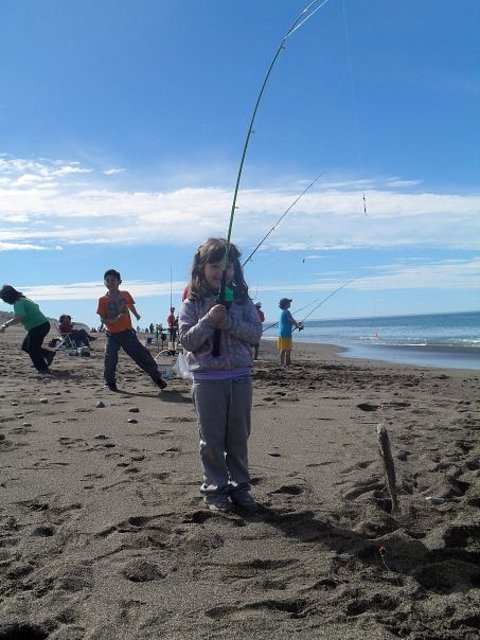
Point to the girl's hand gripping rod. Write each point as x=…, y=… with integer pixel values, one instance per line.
x=225, y=297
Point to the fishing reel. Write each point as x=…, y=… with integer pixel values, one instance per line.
x=225, y=297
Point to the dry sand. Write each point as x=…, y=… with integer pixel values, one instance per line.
x=103, y=534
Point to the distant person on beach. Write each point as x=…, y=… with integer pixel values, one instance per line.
x=172, y=323
x=222, y=385
x=114, y=310
x=261, y=315
x=35, y=324
x=66, y=327
x=162, y=336
x=286, y=325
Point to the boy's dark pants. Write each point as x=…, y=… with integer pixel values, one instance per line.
x=32, y=344
x=128, y=341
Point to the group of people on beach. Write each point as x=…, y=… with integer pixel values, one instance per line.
x=218, y=338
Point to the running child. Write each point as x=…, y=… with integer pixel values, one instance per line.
x=35, y=323
x=114, y=310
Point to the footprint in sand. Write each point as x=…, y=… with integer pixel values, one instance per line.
x=275, y=609
x=43, y=531
x=23, y=429
x=70, y=442
x=178, y=419
x=139, y=570
x=26, y=631
x=359, y=465
x=363, y=488
x=448, y=576
x=289, y=490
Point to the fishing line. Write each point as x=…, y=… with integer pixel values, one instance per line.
x=309, y=11
x=282, y=217
x=270, y=326
x=353, y=95
x=345, y=284
x=330, y=295
x=312, y=13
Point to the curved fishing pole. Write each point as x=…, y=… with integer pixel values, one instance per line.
x=274, y=324
x=345, y=284
x=330, y=295
x=306, y=14
x=309, y=11
x=270, y=326
x=282, y=217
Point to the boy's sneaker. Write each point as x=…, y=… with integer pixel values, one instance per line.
x=111, y=386
x=160, y=382
x=243, y=500
x=218, y=502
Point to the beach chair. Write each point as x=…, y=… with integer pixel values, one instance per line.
x=67, y=342
x=64, y=341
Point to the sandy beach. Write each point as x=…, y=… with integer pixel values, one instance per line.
x=104, y=536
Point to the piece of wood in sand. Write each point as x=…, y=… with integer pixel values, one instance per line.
x=386, y=453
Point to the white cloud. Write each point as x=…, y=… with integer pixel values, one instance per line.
x=331, y=216
x=13, y=246
x=112, y=172
x=93, y=290
x=445, y=274
x=439, y=275
x=399, y=183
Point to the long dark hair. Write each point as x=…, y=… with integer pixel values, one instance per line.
x=211, y=251
x=9, y=294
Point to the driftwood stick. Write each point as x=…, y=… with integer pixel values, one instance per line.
x=386, y=453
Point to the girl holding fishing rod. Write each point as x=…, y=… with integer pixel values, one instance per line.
x=218, y=325
x=222, y=385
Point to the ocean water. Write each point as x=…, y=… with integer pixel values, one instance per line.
x=447, y=340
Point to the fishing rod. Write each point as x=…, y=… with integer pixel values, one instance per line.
x=226, y=294
x=270, y=326
x=330, y=295
x=282, y=217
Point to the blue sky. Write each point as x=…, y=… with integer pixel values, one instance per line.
x=122, y=125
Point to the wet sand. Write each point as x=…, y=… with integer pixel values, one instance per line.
x=103, y=534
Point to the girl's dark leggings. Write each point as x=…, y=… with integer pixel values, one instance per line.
x=32, y=344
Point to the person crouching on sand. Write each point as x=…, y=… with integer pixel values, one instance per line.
x=222, y=384
x=35, y=324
